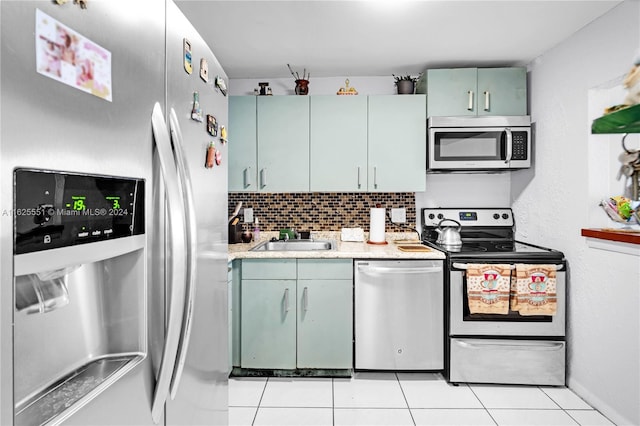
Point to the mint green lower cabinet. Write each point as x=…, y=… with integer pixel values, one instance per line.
x=325, y=331
x=268, y=329
x=296, y=314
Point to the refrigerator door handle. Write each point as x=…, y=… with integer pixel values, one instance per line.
x=176, y=216
x=190, y=290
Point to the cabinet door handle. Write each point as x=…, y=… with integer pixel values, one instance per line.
x=263, y=178
x=305, y=299
x=470, y=106
x=486, y=100
x=359, y=184
x=286, y=300
x=375, y=177
x=247, y=182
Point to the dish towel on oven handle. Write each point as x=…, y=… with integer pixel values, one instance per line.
x=488, y=287
x=533, y=291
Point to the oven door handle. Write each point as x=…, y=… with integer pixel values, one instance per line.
x=539, y=346
x=465, y=266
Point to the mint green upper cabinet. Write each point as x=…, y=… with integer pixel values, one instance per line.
x=502, y=91
x=338, y=143
x=243, y=154
x=283, y=143
x=475, y=91
x=397, y=129
x=451, y=91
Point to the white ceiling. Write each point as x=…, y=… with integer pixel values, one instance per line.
x=256, y=39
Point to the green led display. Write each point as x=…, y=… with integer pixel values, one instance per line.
x=115, y=202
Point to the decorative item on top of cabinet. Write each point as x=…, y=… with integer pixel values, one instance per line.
x=405, y=83
x=475, y=91
x=302, y=84
x=264, y=90
x=346, y=90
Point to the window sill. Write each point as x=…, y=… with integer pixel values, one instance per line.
x=613, y=240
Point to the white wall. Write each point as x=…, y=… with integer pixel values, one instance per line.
x=569, y=86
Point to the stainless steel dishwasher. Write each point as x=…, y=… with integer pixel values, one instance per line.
x=399, y=320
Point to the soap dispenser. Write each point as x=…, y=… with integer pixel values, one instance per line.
x=256, y=230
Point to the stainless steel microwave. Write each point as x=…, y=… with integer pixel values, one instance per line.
x=478, y=143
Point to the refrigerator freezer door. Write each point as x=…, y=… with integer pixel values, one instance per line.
x=46, y=124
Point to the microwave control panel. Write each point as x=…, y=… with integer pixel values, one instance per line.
x=58, y=209
x=520, y=143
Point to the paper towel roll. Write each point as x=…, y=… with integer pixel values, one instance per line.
x=376, y=226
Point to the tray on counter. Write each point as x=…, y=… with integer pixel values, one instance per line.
x=414, y=248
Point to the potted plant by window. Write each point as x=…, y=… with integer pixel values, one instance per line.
x=405, y=83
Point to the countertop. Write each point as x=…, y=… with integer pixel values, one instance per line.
x=344, y=249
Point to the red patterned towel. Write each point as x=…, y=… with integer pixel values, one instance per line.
x=533, y=292
x=488, y=288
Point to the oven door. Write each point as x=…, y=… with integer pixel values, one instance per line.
x=463, y=323
x=478, y=148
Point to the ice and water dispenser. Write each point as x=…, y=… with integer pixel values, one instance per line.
x=79, y=289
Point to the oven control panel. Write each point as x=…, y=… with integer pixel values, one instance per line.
x=469, y=217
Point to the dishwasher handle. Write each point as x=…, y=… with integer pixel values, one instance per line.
x=380, y=270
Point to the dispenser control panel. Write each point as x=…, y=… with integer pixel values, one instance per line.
x=59, y=209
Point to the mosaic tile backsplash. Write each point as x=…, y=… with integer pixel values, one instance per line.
x=319, y=211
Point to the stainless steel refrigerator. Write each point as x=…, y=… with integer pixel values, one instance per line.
x=107, y=319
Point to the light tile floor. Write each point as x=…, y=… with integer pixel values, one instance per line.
x=401, y=399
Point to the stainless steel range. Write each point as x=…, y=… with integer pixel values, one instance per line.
x=506, y=299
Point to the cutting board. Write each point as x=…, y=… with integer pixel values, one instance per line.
x=403, y=242
x=415, y=248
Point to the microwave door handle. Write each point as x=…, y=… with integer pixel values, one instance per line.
x=509, y=135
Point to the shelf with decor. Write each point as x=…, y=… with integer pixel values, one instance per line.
x=631, y=236
x=625, y=120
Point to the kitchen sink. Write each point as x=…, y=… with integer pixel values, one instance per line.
x=295, y=245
